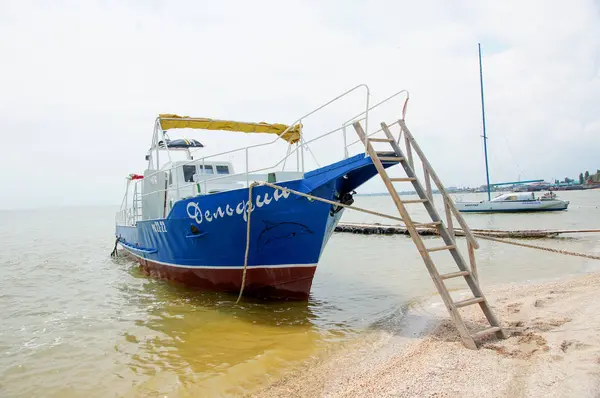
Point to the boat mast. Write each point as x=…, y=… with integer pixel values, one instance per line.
x=487, y=172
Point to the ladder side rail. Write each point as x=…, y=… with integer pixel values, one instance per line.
x=463, y=224
x=460, y=262
x=472, y=261
x=449, y=222
x=427, y=183
x=435, y=276
x=408, y=148
x=400, y=133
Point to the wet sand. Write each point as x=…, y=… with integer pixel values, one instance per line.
x=553, y=350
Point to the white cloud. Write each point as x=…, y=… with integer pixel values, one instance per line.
x=81, y=82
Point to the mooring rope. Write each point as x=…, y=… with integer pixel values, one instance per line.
x=533, y=232
x=331, y=202
x=115, y=253
x=247, y=242
x=308, y=196
x=383, y=215
x=549, y=249
x=558, y=251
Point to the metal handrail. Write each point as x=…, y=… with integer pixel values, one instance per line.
x=298, y=150
x=290, y=153
x=286, y=130
x=229, y=176
x=350, y=121
x=246, y=149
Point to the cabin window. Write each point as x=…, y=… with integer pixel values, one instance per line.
x=206, y=169
x=513, y=197
x=222, y=169
x=188, y=173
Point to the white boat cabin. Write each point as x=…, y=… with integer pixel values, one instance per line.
x=185, y=179
x=180, y=179
x=515, y=197
x=174, y=172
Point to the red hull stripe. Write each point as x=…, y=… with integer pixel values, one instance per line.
x=221, y=267
x=271, y=281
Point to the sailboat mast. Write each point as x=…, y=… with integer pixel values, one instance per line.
x=487, y=172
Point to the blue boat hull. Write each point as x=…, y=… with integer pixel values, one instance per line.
x=202, y=241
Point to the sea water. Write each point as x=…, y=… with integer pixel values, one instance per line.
x=78, y=323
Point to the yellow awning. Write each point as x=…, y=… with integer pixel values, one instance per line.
x=168, y=121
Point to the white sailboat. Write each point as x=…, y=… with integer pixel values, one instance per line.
x=515, y=202
x=507, y=202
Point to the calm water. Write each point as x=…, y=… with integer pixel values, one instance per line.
x=77, y=323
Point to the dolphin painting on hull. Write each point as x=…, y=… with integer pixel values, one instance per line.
x=275, y=232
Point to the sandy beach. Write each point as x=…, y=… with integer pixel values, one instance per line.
x=553, y=350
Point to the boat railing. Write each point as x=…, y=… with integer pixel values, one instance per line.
x=300, y=151
x=295, y=122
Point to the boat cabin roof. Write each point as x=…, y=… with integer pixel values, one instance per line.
x=290, y=134
x=514, y=196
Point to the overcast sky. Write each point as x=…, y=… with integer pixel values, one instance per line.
x=82, y=81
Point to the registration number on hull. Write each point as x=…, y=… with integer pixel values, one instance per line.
x=159, y=226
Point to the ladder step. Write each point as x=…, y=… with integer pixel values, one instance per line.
x=403, y=179
x=470, y=301
x=437, y=249
x=415, y=201
x=455, y=274
x=390, y=158
x=380, y=140
x=485, y=332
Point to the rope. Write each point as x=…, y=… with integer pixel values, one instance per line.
x=299, y=194
x=331, y=202
x=533, y=232
x=317, y=198
x=566, y=252
x=559, y=251
x=247, y=242
x=115, y=253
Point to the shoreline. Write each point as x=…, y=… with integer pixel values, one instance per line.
x=553, y=349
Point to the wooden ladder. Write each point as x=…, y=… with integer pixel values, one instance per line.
x=445, y=231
